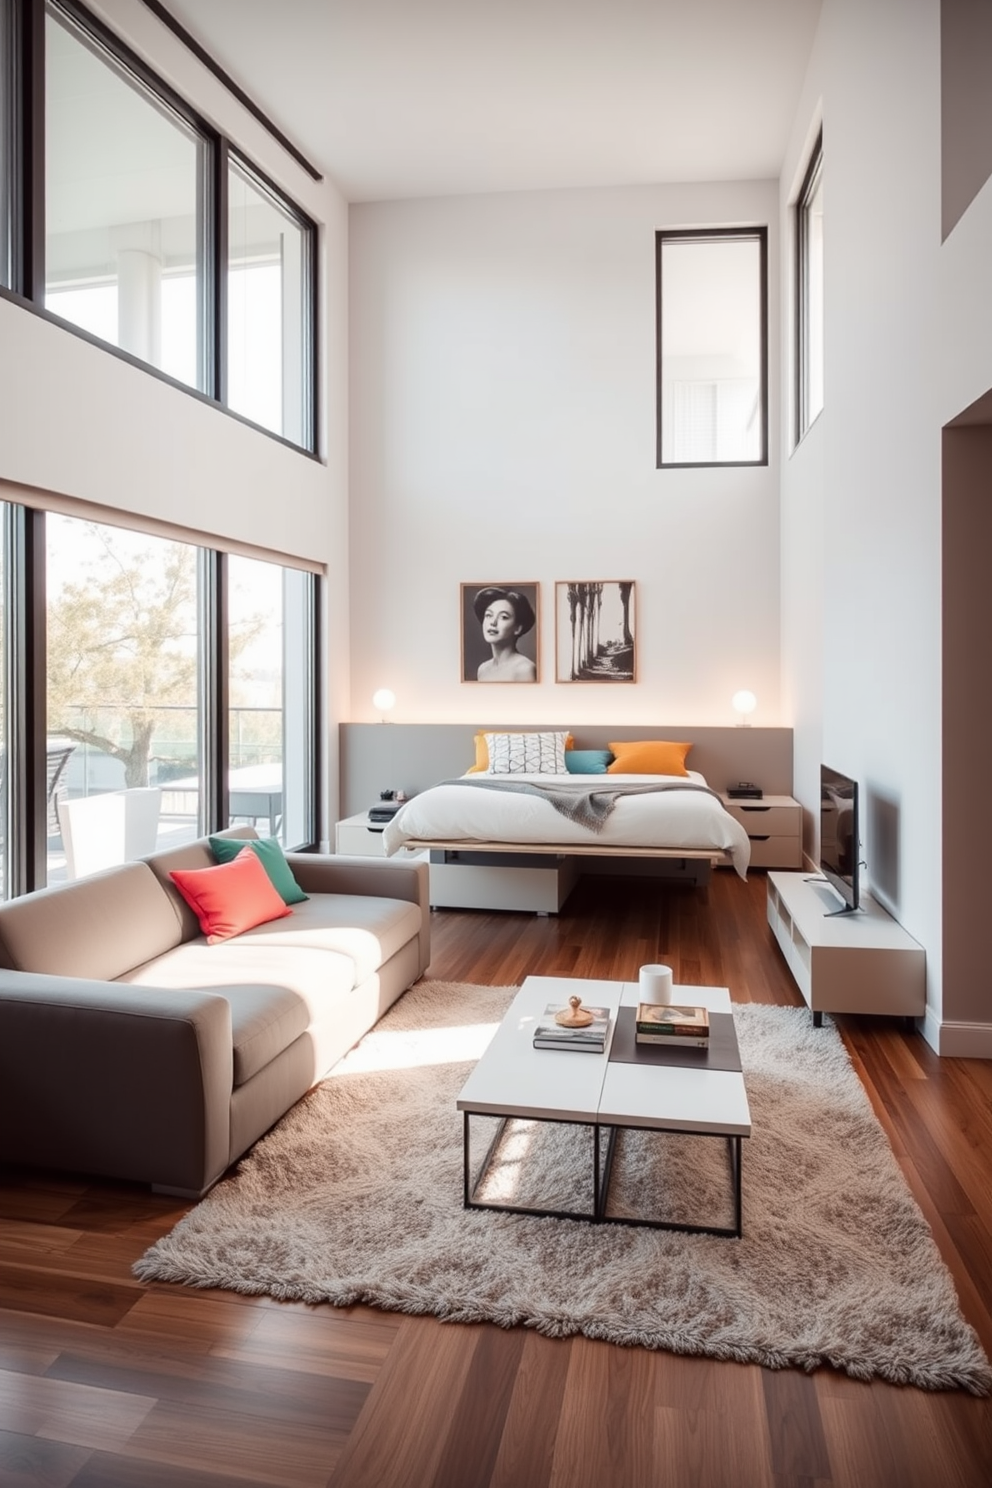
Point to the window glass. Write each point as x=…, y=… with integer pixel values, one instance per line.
x=809, y=280
x=267, y=306
x=712, y=346
x=122, y=690
x=269, y=690
x=123, y=230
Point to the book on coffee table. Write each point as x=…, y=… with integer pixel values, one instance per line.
x=673, y=1040
x=548, y=1034
x=672, y=1021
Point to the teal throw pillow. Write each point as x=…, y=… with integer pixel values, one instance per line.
x=272, y=858
x=587, y=761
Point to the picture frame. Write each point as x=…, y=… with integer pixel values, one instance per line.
x=595, y=631
x=500, y=632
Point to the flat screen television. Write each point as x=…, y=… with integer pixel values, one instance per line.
x=840, y=840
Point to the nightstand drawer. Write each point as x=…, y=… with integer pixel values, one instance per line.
x=357, y=837
x=760, y=820
x=776, y=852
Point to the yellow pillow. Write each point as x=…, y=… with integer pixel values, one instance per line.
x=481, y=766
x=649, y=757
x=481, y=757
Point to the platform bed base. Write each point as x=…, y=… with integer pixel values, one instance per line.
x=529, y=877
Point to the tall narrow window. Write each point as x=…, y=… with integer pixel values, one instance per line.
x=271, y=723
x=124, y=226
x=270, y=253
x=809, y=286
x=122, y=669
x=712, y=347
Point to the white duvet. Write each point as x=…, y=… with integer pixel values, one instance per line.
x=689, y=819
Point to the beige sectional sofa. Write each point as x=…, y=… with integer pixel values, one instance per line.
x=133, y=1049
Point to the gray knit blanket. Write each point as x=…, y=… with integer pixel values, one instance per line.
x=588, y=805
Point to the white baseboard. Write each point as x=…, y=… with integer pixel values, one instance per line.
x=957, y=1040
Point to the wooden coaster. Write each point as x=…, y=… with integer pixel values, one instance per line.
x=575, y=1015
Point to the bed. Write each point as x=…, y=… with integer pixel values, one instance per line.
x=643, y=813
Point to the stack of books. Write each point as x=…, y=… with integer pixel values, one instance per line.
x=668, y=1024
x=551, y=1035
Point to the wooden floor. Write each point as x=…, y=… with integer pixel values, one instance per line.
x=107, y=1382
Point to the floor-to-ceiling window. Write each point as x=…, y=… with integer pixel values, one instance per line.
x=128, y=218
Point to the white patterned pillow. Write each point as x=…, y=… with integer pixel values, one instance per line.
x=527, y=754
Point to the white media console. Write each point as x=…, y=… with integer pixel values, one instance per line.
x=863, y=962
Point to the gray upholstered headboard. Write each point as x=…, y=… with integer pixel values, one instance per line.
x=412, y=756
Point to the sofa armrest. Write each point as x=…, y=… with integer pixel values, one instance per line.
x=337, y=873
x=105, y=1078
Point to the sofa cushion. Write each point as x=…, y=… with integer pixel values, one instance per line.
x=318, y=976
x=97, y=927
x=231, y=897
x=368, y=929
x=264, y=1022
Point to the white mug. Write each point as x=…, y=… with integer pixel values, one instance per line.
x=656, y=984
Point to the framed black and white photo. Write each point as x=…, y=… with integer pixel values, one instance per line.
x=499, y=632
x=595, y=628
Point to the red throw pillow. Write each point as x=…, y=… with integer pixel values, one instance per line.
x=232, y=897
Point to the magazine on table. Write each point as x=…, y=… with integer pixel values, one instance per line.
x=548, y=1034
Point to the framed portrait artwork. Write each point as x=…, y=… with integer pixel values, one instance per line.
x=595, y=631
x=499, y=632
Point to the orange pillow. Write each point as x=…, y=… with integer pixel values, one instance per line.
x=232, y=897
x=649, y=757
x=481, y=766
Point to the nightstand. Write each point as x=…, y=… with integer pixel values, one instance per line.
x=775, y=827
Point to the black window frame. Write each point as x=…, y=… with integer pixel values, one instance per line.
x=26, y=203
x=811, y=181
x=758, y=234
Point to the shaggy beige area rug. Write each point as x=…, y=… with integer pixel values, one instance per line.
x=356, y=1196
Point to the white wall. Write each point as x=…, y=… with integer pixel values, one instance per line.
x=80, y=422
x=503, y=428
x=862, y=500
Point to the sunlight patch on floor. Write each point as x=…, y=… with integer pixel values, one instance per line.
x=415, y=1048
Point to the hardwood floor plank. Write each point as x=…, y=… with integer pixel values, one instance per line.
x=76, y=1414
x=25, y=1289
x=610, y=1441
x=400, y=1436
x=332, y=1341
x=798, y=1447
x=121, y=1471
x=526, y=1450
x=29, y=1462
x=480, y=1410
x=267, y=1448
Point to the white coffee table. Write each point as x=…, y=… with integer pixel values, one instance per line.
x=515, y=1080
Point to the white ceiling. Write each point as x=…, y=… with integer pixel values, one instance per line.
x=402, y=98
